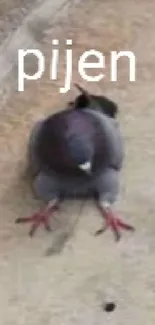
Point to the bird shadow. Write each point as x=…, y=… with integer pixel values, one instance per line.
x=67, y=230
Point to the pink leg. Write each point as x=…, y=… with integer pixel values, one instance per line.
x=113, y=222
x=41, y=217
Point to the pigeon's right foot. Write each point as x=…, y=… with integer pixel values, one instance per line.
x=113, y=222
x=41, y=217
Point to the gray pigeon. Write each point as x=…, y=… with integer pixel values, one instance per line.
x=76, y=153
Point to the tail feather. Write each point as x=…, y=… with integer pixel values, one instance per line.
x=82, y=90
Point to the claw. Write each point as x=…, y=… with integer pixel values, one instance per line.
x=113, y=222
x=23, y=220
x=100, y=231
x=125, y=226
x=42, y=217
x=33, y=229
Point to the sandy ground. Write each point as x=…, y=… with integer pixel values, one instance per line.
x=12, y=14
x=26, y=32
x=71, y=286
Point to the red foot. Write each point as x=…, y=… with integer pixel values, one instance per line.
x=114, y=223
x=41, y=217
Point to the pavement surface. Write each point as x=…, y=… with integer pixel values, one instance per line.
x=71, y=286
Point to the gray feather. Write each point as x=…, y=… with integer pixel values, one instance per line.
x=113, y=137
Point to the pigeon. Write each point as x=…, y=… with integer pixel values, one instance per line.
x=77, y=153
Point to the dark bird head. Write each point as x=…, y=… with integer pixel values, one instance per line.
x=102, y=103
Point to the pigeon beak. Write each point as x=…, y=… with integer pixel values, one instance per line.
x=86, y=167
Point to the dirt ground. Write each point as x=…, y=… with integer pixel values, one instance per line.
x=70, y=287
x=12, y=14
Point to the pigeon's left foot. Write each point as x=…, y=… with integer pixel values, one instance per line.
x=113, y=222
x=41, y=217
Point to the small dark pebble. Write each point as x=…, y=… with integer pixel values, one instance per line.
x=109, y=307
